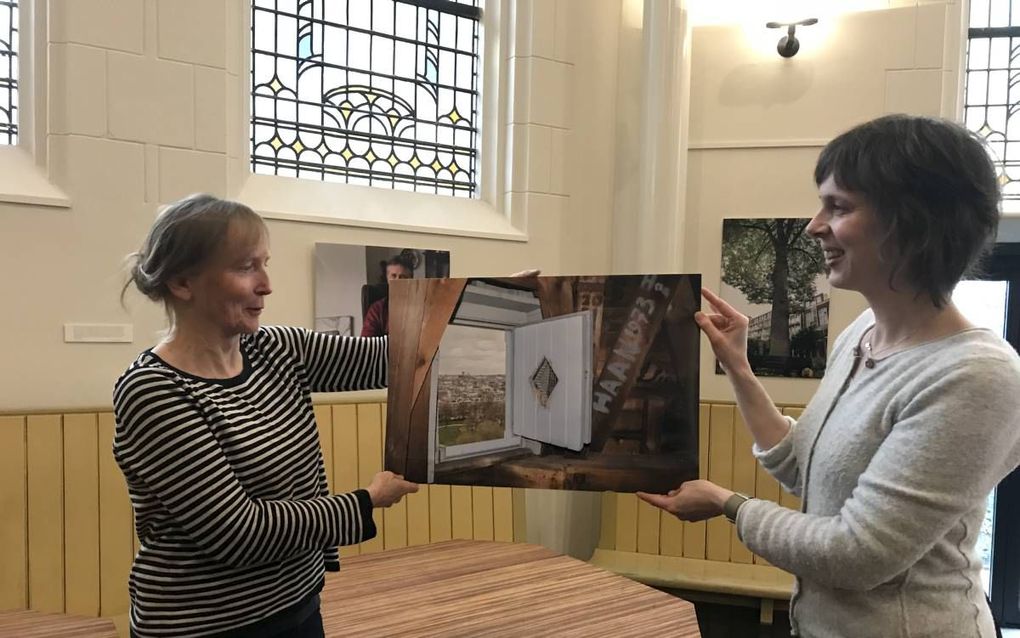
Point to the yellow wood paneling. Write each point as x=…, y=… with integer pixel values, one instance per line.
x=324, y=423
x=344, y=425
x=116, y=545
x=785, y=498
x=45, y=514
x=418, y=517
x=460, y=511
x=81, y=514
x=671, y=535
x=695, y=533
x=14, y=518
x=744, y=472
x=370, y=455
x=720, y=472
x=626, y=522
x=648, y=528
x=503, y=514
x=520, y=517
x=607, y=531
x=482, y=514
x=440, y=513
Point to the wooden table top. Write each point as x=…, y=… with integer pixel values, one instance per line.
x=33, y=624
x=479, y=588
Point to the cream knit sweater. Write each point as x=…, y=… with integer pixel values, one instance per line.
x=893, y=466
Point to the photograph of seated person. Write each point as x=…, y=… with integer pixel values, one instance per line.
x=376, y=322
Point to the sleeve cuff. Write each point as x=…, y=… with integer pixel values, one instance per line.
x=368, y=530
x=774, y=456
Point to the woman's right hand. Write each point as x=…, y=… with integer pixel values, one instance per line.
x=388, y=488
x=726, y=330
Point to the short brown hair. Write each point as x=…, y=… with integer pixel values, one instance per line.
x=935, y=191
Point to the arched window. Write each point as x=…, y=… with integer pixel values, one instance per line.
x=382, y=93
x=8, y=72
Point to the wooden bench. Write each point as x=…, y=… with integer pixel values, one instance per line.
x=32, y=624
x=703, y=561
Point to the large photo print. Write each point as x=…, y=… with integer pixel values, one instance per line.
x=584, y=383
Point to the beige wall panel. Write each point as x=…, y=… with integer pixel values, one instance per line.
x=184, y=172
x=45, y=514
x=77, y=90
x=183, y=38
x=916, y=91
x=116, y=543
x=81, y=514
x=109, y=24
x=211, y=110
x=151, y=100
x=14, y=522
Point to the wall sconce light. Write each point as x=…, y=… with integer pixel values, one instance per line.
x=789, y=44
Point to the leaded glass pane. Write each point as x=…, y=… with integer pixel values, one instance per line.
x=8, y=72
x=992, y=96
x=370, y=92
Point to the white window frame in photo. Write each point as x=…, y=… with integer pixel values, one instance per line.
x=467, y=450
x=488, y=216
x=23, y=166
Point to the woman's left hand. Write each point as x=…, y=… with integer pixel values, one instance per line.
x=692, y=501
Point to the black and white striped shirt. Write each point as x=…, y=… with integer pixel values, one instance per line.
x=228, y=484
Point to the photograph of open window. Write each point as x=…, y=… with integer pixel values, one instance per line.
x=586, y=383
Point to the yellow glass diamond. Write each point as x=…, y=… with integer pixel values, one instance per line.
x=346, y=154
x=455, y=116
x=371, y=157
x=276, y=143
x=345, y=109
x=436, y=166
x=392, y=160
x=454, y=168
x=298, y=147
x=415, y=163
x=275, y=85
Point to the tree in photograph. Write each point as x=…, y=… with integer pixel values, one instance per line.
x=772, y=261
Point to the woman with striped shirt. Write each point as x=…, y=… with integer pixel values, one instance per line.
x=217, y=439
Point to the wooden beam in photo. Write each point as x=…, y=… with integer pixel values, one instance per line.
x=556, y=296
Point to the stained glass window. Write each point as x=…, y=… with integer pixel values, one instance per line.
x=8, y=72
x=992, y=102
x=371, y=92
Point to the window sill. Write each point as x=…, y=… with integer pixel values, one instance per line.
x=295, y=199
x=22, y=182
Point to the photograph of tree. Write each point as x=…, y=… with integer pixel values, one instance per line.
x=774, y=273
x=351, y=284
x=581, y=383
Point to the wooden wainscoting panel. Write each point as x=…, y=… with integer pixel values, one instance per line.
x=626, y=522
x=648, y=523
x=460, y=512
x=607, y=529
x=520, y=515
x=695, y=533
x=370, y=462
x=14, y=521
x=720, y=472
x=324, y=423
x=785, y=498
x=482, y=515
x=344, y=423
x=440, y=513
x=81, y=514
x=744, y=472
x=116, y=528
x=503, y=514
x=418, y=517
x=45, y=514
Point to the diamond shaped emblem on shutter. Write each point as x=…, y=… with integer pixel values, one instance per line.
x=544, y=381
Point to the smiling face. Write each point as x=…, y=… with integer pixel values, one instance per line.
x=227, y=296
x=850, y=234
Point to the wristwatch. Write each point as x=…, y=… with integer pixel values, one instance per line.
x=733, y=504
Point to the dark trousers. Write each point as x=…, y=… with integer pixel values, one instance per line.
x=310, y=628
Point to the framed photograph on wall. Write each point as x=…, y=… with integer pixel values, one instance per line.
x=351, y=284
x=774, y=273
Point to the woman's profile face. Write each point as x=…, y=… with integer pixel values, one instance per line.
x=849, y=232
x=229, y=293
